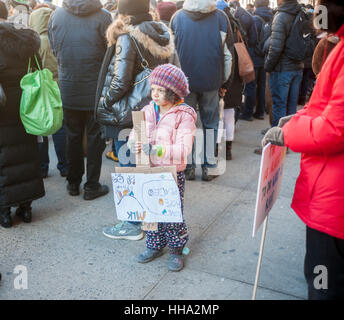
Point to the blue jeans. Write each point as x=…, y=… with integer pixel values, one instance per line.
x=124, y=158
x=59, y=139
x=285, y=88
x=208, y=103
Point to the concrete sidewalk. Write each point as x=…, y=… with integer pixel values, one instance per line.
x=67, y=257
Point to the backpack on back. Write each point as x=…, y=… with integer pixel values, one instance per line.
x=262, y=45
x=299, y=44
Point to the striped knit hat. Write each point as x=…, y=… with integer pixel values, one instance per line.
x=170, y=77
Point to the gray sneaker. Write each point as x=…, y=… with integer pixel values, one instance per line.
x=176, y=262
x=149, y=255
x=124, y=230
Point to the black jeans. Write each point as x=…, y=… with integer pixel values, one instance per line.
x=324, y=266
x=255, y=94
x=76, y=122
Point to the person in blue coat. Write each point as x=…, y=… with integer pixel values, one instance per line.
x=201, y=31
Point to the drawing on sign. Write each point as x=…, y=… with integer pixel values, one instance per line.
x=125, y=196
x=157, y=197
x=146, y=197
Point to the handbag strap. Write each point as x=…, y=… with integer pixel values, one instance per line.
x=29, y=66
x=240, y=39
x=144, y=62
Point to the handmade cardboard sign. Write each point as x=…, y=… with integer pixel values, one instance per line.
x=269, y=183
x=141, y=198
x=144, y=197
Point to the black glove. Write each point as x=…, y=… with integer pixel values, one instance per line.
x=274, y=136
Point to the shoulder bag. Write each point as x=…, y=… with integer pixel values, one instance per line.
x=245, y=64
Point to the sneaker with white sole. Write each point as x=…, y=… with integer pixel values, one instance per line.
x=124, y=230
x=149, y=255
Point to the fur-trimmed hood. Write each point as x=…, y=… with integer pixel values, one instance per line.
x=21, y=43
x=154, y=36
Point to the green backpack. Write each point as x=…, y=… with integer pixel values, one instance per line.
x=41, y=106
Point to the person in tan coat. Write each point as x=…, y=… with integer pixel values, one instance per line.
x=39, y=20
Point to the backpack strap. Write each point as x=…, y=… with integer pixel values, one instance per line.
x=294, y=22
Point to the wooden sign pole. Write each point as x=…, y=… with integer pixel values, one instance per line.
x=260, y=258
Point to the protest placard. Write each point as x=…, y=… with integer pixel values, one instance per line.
x=149, y=221
x=269, y=183
x=151, y=197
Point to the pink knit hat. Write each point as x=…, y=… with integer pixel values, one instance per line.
x=170, y=77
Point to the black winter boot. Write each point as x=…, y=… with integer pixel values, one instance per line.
x=5, y=218
x=228, y=150
x=25, y=212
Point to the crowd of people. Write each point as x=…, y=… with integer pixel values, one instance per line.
x=97, y=52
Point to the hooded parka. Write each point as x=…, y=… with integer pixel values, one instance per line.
x=122, y=63
x=276, y=59
x=201, y=31
x=20, y=174
x=77, y=38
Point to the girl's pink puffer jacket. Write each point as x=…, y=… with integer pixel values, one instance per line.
x=175, y=131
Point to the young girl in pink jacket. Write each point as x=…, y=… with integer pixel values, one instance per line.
x=170, y=127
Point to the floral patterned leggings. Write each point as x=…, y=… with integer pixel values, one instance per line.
x=175, y=235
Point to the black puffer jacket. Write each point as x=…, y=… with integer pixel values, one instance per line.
x=77, y=38
x=122, y=62
x=276, y=59
x=20, y=174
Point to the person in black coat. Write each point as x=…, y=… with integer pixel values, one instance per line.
x=262, y=16
x=77, y=38
x=20, y=175
x=122, y=63
x=248, y=24
x=286, y=73
x=234, y=87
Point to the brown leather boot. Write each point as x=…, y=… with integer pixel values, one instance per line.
x=228, y=150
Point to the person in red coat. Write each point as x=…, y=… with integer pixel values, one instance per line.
x=317, y=132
